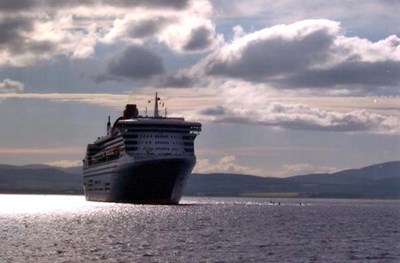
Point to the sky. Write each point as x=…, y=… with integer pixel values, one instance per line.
x=282, y=88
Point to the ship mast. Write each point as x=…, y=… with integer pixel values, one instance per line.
x=156, y=106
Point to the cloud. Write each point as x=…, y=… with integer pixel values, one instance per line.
x=36, y=31
x=23, y=5
x=310, y=54
x=176, y=80
x=188, y=30
x=286, y=11
x=29, y=38
x=191, y=34
x=226, y=164
x=11, y=86
x=10, y=5
x=137, y=27
x=135, y=62
x=303, y=117
x=199, y=39
x=177, y=100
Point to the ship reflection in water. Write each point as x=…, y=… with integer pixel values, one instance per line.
x=37, y=228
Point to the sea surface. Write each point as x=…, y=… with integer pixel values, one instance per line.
x=40, y=228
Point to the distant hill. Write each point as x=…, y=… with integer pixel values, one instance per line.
x=38, y=179
x=375, y=181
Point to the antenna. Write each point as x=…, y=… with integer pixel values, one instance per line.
x=156, y=106
x=108, y=125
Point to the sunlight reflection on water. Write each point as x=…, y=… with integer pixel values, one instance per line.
x=36, y=204
x=48, y=228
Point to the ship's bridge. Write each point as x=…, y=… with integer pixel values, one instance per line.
x=159, y=136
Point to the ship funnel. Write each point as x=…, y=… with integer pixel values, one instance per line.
x=131, y=111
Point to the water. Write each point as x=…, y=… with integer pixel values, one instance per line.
x=69, y=229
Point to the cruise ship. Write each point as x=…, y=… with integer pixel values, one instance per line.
x=142, y=159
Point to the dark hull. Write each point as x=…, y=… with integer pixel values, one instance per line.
x=144, y=182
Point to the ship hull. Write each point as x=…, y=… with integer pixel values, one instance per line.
x=159, y=181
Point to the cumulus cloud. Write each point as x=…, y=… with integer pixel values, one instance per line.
x=310, y=54
x=186, y=31
x=200, y=38
x=137, y=27
x=11, y=86
x=135, y=62
x=29, y=38
x=43, y=30
x=226, y=164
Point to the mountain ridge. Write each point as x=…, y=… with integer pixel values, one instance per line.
x=374, y=181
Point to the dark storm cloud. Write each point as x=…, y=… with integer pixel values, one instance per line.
x=135, y=62
x=200, y=38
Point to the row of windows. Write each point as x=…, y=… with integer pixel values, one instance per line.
x=161, y=136
x=162, y=148
x=158, y=136
x=161, y=142
x=158, y=149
